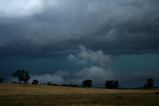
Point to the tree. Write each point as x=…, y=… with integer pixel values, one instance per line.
x=87, y=83
x=116, y=84
x=22, y=75
x=149, y=83
x=1, y=80
x=35, y=82
x=111, y=84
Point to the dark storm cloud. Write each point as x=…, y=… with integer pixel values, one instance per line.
x=59, y=26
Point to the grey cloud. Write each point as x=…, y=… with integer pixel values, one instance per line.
x=85, y=56
x=45, y=78
x=98, y=74
x=116, y=27
x=97, y=66
x=20, y=8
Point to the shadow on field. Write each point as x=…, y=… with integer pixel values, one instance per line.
x=80, y=100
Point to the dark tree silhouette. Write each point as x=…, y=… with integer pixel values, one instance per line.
x=108, y=84
x=116, y=84
x=87, y=83
x=22, y=75
x=149, y=83
x=1, y=80
x=111, y=84
x=35, y=82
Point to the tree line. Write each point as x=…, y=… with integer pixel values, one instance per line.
x=23, y=77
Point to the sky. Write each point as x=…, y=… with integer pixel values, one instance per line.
x=68, y=41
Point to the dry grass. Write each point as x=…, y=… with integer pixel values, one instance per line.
x=41, y=95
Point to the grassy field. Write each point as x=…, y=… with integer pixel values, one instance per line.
x=42, y=95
